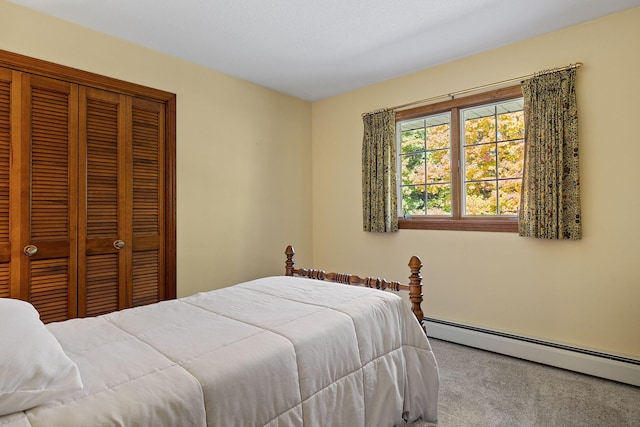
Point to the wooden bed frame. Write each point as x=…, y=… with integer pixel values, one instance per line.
x=414, y=287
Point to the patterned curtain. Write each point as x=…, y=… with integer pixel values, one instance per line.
x=379, y=193
x=550, y=197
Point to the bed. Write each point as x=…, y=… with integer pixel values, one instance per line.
x=277, y=351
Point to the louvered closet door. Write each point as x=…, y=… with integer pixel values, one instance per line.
x=121, y=224
x=46, y=168
x=5, y=153
x=148, y=222
x=105, y=202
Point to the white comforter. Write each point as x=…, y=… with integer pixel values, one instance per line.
x=278, y=351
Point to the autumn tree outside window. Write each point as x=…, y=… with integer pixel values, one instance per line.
x=460, y=162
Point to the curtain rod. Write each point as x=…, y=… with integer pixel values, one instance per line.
x=477, y=88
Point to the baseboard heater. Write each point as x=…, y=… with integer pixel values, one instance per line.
x=613, y=367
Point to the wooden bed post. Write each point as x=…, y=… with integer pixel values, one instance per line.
x=415, y=289
x=290, y=252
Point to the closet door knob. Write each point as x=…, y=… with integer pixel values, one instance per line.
x=118, y=244
x=30, y=250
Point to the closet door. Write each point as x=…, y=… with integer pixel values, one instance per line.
x=5, y=164
x=121, y=223
x=105, y=242
x=148, y=201
x=44, y=191
x=87, y=190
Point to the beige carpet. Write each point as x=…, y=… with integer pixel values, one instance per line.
x=479, y=388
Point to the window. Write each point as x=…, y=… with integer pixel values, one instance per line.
x=460, y=162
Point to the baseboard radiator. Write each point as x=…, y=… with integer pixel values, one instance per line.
x=613, y=367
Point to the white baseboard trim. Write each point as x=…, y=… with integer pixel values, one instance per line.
x=617, y=368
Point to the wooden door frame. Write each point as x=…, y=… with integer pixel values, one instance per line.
x=40, y=67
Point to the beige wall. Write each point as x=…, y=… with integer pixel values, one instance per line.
x=243, y=151
x=584, y=293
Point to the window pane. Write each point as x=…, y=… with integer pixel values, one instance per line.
x=438, y=165
x=480, y=162
x=425, y=148
x=439, y=136
x=413, y=169
x=412, y=141
x=428, y=133
x=479, y=127
x=481, y=198
x=413, y=200
x=509, y=196
x=511, y=126
x=439, y=199
x=510, y=159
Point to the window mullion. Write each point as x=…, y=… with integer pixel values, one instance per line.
x=426, y=177
x=495, y=120
x=456, y=164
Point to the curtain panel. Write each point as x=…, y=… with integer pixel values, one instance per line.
x=550, y=197
x=379, y=192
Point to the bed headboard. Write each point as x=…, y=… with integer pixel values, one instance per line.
x=414, y=287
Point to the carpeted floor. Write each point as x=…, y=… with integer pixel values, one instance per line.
x=479, y=388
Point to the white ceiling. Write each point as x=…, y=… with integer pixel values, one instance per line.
x=315, y=49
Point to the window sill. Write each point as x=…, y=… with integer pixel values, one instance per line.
x=480, y=224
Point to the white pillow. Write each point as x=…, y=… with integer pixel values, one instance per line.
x=33, y=367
